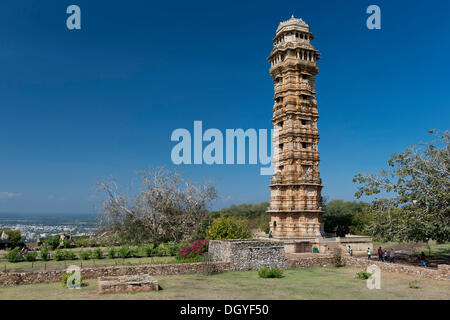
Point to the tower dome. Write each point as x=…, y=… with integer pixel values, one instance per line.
x=293, y=24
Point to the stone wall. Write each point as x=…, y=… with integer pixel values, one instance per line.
x=18, y=278
x=295, y=261
x=248, y=254
x=441, y=273
x=134, y=283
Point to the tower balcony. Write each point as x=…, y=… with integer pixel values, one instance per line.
x=292, y=131
x=298, y=154
x=282, y=206
x=279, y=87
x=307, y=181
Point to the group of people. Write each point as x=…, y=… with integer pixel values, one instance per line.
x=384, y=256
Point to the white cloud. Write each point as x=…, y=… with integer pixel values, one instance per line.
x=9, y=195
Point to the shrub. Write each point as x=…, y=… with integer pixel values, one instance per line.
x=270, y=273
x=84, y=242
x=161, y=250
x=30, y=256
x=111, y=253
x=66, y=276
x=98, y=254
x=414, y=284
x=70, y=255
x=45, y=256
x=147, y=250
x=67, y=243
x=13, y=255
x=53, y=242
x=85, y=255
x=363, y=275
x=337, y=259
x=124, y=252
x=136, y=252
x=172, y=249
x=197, y=248
x=59, y=255
x=228, y=227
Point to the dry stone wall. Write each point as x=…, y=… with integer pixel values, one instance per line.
x=441, y=273
x=134, y=283
x=248, y=254
x=18, y=278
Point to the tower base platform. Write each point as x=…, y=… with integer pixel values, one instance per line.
x=326, y=245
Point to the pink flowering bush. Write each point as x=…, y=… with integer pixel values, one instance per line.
x=197, y=248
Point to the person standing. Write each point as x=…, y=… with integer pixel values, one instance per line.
x=368, y=253
x=350, y=250
x=387, y=258
x=392, y=254
x=380, y=254
x=422, y=259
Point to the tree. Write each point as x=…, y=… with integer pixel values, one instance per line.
x=416, y=205
x=345, y=217
x=14, y=237
x=228, y=227
x=164, y=208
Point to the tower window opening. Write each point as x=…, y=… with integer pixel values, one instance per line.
x=304, y=122
x=305, y=77
x=304, y=145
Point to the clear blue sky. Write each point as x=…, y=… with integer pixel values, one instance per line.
x=76, y=106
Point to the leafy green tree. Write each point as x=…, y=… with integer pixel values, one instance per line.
x=30, y=256
x=345, y=217
x=14, y=236
x=45, y=255
x=53, y=242
x=255, y=213
x=13, y=255
x=228, y=227
x=415, y=189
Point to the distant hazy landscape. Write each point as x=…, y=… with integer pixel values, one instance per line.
x=35, y=226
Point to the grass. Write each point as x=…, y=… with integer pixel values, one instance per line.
x=53, y=264
x=436, y=250
x=312, y=283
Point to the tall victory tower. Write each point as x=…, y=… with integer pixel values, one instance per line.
x=295, y=200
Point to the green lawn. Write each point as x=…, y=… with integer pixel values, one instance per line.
x=436, y=250
x=23, y=265
x=312, y=283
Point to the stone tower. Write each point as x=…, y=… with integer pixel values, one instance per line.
x=295, y=200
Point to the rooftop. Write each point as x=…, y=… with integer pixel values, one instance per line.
x=293, y=24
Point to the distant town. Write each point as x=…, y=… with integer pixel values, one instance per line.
x=35, y=227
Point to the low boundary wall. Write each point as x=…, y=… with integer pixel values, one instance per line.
x=18, y=278
x=441, y=273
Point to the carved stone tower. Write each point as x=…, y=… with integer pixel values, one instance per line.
x=295, y=200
